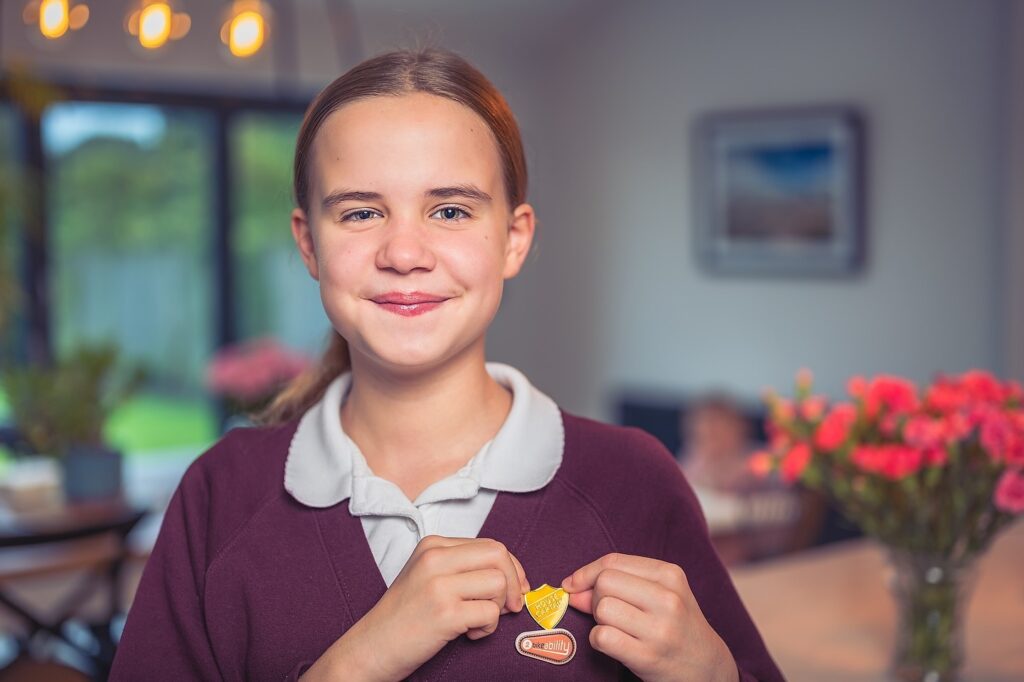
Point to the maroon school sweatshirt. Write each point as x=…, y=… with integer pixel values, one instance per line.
x=246, y=583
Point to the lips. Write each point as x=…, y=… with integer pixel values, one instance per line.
x=412, y=298
x=409, y=304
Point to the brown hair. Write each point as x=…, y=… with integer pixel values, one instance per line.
x=432, y=71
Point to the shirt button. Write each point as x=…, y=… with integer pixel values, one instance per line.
x=410, y=524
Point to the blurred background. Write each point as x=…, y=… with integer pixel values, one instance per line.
x=145, y=162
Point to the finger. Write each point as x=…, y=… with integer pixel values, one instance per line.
x=524, y=584
x=432, y=541
x=644, y=594
x=582, y=601
x=513, y=570
x=485, y=583
x=669, y=575
x=479, y=617
x=622, y=616
x=479, y=633
x=450, y=556
x=622, y=647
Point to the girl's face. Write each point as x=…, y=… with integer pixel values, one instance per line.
x=409, y=231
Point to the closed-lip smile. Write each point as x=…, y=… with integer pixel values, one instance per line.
x=408, y=304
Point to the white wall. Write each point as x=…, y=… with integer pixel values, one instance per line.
x=606, y=92
x=1013, y=262
x=620, y=300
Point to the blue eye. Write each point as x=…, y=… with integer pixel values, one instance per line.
x=451, y=213
x=359, y=216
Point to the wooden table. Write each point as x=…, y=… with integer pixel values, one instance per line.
x=67, y=540
x=826, y=614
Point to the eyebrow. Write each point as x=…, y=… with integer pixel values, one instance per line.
x=470, y=192
x=466, y=191
x=341, y=196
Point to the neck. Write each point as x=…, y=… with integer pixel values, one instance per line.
x=419, y=428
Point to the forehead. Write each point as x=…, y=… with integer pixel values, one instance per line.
x=405, y=143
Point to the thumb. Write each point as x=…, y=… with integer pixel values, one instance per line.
x=582, y=601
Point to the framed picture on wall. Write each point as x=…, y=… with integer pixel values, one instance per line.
x=780, y=192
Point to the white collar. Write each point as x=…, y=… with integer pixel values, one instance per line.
x=523, y=456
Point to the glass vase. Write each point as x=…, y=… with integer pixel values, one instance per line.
x=931, y=595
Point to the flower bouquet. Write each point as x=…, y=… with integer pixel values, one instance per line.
x=933, y=474
x=248, y=375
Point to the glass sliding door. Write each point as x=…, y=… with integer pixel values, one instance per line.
x=11, y=298
x=275, y=294
x=131, y=210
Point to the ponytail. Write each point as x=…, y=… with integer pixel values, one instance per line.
x=308, y=388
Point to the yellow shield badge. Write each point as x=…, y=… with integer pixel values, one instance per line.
x=547, y=605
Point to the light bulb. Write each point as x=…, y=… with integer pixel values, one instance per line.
x=154, y=25
x=245, y=34
x=53, y=18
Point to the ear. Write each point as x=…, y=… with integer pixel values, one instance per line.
x=520, y=237
x=303, y=235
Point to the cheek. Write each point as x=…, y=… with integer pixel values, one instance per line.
x=344, y=264
x=477, y=263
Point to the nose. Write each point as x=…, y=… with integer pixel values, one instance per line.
x=405, y=247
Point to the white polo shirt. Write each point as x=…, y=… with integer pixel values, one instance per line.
x=325, y=467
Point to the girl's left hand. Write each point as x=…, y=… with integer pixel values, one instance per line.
x=649, y=620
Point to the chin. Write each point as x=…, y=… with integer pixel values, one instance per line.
x=407, y=360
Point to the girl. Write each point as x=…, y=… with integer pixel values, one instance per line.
x=388, y=518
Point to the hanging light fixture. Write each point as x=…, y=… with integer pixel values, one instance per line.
x=245, y=27
x=155, y=22
x=54, y=18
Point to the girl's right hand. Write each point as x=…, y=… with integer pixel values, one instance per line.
x=449, y=587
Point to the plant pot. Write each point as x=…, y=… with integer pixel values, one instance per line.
x=92, y=473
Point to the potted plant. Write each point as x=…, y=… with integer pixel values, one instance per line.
x=60, y=410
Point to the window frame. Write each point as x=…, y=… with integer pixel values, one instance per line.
x=35, y=340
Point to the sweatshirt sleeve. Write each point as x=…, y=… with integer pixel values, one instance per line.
x=165, y=636
x=683, y=539
x=690, y=547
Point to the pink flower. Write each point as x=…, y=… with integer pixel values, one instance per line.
x=778, y=440
x=783, y=410
x=895, y=394
x=923, y=431
x=1009, y=495
x=944, y=396
x=890, y=461
x=1002, y=436
x=935, y=457
x=969, y=391
x=795, y=461
x=761, y=463
x=813, y=407
x=254, y=370
x=1014, y=455
x=981, y=386
x=804, y=379
x=835, y=428
x=1015, y=392
x=890, y=424
x=857, y=387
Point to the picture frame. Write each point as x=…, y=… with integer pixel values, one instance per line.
x=780, y=192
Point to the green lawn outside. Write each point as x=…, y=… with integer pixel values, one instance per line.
x=152, y=423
